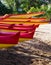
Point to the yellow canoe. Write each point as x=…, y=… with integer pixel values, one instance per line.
x=28, y=15
x=25, y=20
x=26, y=23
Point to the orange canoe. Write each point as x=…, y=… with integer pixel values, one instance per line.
x=27, y=15
x=24, y=20
x=26, y=23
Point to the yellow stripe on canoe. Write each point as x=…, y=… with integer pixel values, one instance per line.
x=8, y=19
x=24, y=20
x=7, y=30
x=26, y=23
x=24, y=39
x=10, y=45
x=6, y=45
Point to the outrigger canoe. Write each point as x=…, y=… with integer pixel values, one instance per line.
x=8, y=39
x=25, y=20
x=16, y=27
x=26, y=23
x=27, y=15
x=24, y=36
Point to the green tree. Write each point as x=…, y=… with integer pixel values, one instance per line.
x=12, y=5
x=4, y=9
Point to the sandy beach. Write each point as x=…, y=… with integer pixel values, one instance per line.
x=43, y=33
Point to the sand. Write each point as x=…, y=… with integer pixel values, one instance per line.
x=33, y=52
x=43, y=33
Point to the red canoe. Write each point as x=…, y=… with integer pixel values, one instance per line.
x=19, y=27
x=23, y=25
x=27, y=35
x=16, y=25
x=4, y=26
x=8, y=39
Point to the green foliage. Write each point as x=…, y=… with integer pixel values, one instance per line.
x=45, y=8
x=27, y=6
x=12, y=5
x=4, y=9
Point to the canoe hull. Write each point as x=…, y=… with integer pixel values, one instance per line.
x=24, y=35
x=25, y=15
x=8, y=39
x=26, y=23
x=25, y=20
x=16, y=27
